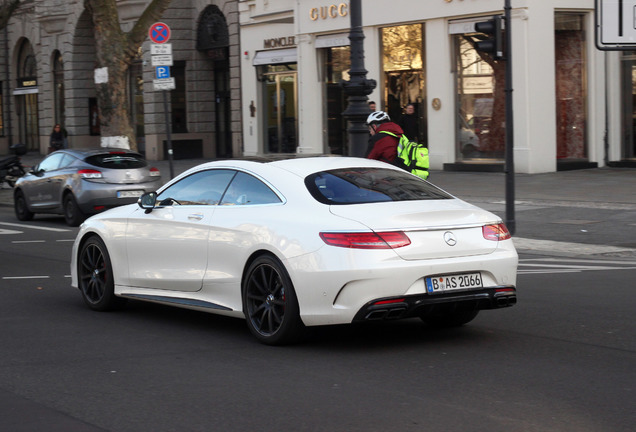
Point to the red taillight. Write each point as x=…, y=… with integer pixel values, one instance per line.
x=393, y=301
x=367, y=240
x=117, y=152
x=90, y=173
x=505, y=290
x=99, y=208
x=496, y=232
x=154, y=172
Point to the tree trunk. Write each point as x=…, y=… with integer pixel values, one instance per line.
x=115, y=50
x=6, y=11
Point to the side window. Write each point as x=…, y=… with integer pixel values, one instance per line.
x=202, y=188
x=52, y=162
x=66, y=161
x=246, y=189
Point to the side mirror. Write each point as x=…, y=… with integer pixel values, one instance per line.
x=147, y=201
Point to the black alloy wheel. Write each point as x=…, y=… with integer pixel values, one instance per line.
x=95, y=276
x=72, y=213
x=22, y=211
x=270, y=304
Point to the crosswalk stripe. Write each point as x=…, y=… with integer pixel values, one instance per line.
x=570, y=265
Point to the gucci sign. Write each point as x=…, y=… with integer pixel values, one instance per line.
x=326, y=12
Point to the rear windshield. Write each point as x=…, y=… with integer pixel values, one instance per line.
x=366, y=185
x=117, y=160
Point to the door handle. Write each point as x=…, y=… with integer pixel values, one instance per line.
x=195, y=216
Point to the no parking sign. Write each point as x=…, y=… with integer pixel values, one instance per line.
x=159, y=33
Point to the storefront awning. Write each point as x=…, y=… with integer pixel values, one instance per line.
x=333, y=40
x=287, y=55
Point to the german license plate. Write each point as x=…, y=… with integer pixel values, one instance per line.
x=453, y=282
x=130, y=194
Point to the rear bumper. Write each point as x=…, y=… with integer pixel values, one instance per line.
x=97, y=197
x=431, y=304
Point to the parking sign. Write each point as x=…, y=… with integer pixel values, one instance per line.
x=162, y=72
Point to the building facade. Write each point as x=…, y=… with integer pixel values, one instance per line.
x=262, y=78
x=48, y=76
x=573, y=104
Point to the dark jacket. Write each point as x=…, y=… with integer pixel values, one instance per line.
x=411, y=128
x=382, y=146
x=56, y=140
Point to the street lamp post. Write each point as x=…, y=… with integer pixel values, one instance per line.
x=510, y=161
x=358, y=87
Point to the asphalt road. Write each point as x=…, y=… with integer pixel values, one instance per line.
x=563, y=359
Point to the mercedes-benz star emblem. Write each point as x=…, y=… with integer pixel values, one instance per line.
x=450, y=238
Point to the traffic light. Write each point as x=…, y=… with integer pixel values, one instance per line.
x=493, y=44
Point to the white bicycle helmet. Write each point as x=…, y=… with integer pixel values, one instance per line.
x=378, y=117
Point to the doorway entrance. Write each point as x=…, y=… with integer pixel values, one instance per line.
x=27, y=97
x=405, y=78
x=337, y=65
x=281, y=108
x=27, y=110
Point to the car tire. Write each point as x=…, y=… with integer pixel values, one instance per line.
x=95, y=276
x=270, y=304
x=72, y=213
x=456, y=316
x=22, y=211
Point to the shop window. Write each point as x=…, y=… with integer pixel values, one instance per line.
x=178, y=98
x=570, y=81
x=404, y=77
x=481, y=111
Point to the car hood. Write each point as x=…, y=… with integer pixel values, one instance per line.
x=427, y=223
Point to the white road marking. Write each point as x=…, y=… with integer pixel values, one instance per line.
x=7, y=231
x=570, y=265
x=25, y=277
x=36, y=227
x=567, y=247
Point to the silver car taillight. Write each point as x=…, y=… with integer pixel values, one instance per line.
x=90, y=174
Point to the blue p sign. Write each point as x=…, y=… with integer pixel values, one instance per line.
x=162, y=72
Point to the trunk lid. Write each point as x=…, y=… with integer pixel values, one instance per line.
x=437, y=228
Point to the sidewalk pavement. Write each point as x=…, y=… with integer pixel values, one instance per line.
x=582, y=212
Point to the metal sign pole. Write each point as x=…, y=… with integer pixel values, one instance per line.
x=161, y=52
x=169, y=139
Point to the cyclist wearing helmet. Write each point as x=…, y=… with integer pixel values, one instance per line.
x=383, y=146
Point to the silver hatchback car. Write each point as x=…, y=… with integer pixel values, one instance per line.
x=80, y=182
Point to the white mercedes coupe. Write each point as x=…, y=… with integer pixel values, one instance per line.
x=299, y=242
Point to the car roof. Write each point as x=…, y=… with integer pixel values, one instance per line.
x=86, y=152
x=305, y=166
x=301, y=166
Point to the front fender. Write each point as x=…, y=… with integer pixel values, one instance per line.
x=112, y=232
